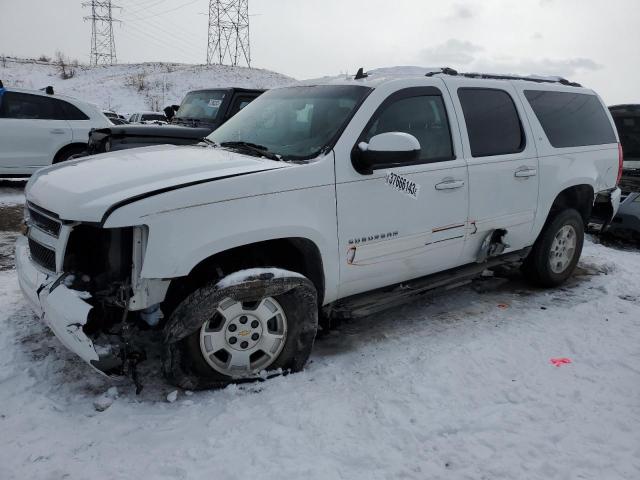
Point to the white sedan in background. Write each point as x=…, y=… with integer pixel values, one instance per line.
x=39, y=128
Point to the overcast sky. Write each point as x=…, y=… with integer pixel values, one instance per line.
x=594, y=42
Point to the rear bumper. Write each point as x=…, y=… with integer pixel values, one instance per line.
x=605, y=207
x=627, y=219
x=614, y=198
x=65, y=311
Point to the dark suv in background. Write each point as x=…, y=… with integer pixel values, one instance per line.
x=627, y=221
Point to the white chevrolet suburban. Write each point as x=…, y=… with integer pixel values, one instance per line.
x=38, y=128
x=313, y=202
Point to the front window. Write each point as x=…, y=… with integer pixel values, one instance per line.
x=293, y=122
x=424, y=117
x=202, y=105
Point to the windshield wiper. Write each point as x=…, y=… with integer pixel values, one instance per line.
x=210, y=142
x=254, y=148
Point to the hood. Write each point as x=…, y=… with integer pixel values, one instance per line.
x=85, y=189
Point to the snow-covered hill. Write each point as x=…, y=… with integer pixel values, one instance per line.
x=134, y=87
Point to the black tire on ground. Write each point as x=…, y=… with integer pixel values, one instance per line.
x=184, y=364
x=537, y=266
x=68, y=152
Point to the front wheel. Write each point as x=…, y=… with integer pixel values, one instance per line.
x=556, y=252
x=223, y=333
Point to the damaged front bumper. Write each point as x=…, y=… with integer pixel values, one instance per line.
x=64, y=310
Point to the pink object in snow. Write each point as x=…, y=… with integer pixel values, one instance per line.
x=560, y=361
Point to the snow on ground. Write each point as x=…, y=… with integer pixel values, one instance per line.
x=116, y=87
x=10, y=193
x=457, y=387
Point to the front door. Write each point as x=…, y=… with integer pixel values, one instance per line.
x=409, y=220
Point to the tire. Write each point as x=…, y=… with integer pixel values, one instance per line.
x=199, y=353
x=69, y=152
x=557, y=250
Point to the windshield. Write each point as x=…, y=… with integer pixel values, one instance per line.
x=294, y=122
x=203, y=105
x=629, y=132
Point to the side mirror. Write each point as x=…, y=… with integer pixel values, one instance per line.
x=385, y=150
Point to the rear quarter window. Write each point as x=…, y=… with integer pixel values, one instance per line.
x=71, y=112
x=571, y=119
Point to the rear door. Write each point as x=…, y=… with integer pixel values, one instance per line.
x=408, y=220
x=502, y=160
x=32, y=130
x=77, y=120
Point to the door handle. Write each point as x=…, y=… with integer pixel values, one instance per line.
x=449, y=185
x=526, y=172
x=58, y=131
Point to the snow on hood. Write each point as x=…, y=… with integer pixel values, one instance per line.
x=84, y=189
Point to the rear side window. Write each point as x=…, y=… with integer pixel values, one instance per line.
x=571, y=119
x=492, y=121
x=424, y=117
x=72, y=112
x=26, y=106
x=239, y=103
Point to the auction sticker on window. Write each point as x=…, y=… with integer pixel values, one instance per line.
x=403, y=184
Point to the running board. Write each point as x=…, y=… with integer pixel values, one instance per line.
x=368, y=303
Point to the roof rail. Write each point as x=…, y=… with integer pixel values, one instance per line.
x=451, y=71
x=444, y=71
x=562, y=81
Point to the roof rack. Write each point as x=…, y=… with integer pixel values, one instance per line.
x=626, y=107
x=444, y=71
x=451, y=71
x=361, y=74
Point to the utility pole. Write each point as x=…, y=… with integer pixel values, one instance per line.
x=103, y=45
x=228, y=32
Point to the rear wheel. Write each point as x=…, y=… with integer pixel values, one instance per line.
x=69, y=153
x=556, y=252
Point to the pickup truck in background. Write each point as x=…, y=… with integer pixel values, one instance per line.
x=200, y=113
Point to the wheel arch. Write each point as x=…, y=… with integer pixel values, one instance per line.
x=67, y=148
x=579, y=197
x=297, y=254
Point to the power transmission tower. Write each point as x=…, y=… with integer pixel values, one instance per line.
x=228, y=32
x=103, y=45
